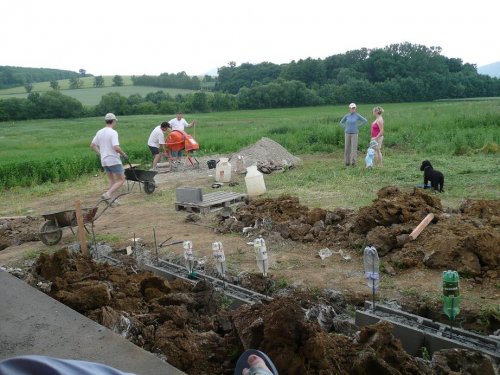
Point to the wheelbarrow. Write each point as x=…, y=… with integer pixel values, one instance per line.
x=51, y=230
x=145, y=178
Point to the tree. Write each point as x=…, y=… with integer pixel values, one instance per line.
x=98, y=81
x=75, y=83
x=117, y=80
x=82, y=72
x=28, y=86
x=54, y=85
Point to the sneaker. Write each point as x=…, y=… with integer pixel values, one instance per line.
x=115, y=203
x=105, y=196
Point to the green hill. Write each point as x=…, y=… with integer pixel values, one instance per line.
x=87, y=94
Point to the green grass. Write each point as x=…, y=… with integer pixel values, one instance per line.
x=449, y=134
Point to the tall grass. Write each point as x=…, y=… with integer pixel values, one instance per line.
x=33, y=152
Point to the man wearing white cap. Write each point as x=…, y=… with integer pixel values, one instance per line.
x=106, y=145
x=351, y=123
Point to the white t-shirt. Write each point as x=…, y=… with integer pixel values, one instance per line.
x=106, y=139
x=157, y=137
x=179, y=124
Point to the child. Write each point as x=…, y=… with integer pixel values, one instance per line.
x=370, y=154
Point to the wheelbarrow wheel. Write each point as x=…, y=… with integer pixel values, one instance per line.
x=149, y=187
x=50, y=234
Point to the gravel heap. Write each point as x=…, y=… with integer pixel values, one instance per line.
x=265, y=150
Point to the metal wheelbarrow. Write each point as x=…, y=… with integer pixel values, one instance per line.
x=51, y=230
x=145, y=178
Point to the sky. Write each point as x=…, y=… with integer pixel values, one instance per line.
x=109, y=37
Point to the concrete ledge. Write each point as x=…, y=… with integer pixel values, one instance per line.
x=34, y=323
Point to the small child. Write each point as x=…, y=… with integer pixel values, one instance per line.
x=370, y=154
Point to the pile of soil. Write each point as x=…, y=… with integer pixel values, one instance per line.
x=188, y=326
x=15, y=231
x=466, y=240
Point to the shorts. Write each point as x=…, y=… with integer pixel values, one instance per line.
x=154, y=150
x=115, y=169
x=379, y=142
x=176, y=154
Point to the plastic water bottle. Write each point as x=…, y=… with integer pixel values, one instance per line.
x=371, y=263
x=220, y=259
x=261, y=255
x=451, y=294
x=188, y=256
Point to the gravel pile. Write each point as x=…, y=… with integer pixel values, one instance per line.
x=265, y=150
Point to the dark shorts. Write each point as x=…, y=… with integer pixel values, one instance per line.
x=176, y=154
x=154, y=150
x=115, y=169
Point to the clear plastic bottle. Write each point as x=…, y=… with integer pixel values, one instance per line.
x=371, y=264
x=220, y=259
x=261, y=255
x=188, y=256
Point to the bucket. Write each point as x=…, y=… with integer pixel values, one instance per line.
x=223, y=170
x=254, y=181
x=211, y=164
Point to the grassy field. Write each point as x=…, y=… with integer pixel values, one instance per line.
x=459, y=137
x=89, y=95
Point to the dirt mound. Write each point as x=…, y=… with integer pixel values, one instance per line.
x=187, y=324
x=466, y=241
x=488, y=210
x=393, y=206
x=15, y=231
x=268, y=152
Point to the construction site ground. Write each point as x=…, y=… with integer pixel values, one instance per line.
x=294, y=261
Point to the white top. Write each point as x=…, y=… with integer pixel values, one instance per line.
x=179, y=124
x=157, y=137
x=106, y=139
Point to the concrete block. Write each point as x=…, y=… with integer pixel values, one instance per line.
x=188, y=195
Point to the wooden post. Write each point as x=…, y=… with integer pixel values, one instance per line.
x=81, y=228
x=420, y=227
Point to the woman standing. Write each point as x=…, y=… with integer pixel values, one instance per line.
x=377, y=133
x=351, y=123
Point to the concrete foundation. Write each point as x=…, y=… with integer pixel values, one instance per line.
x=416, y=332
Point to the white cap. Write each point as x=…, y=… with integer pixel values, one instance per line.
x=109, y=116
x=352, y=105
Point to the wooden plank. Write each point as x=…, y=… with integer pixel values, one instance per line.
x=81, y=233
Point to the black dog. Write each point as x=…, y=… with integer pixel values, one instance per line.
x=430, y=174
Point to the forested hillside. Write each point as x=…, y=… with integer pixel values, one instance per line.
x=394, y=74
x=397, y=73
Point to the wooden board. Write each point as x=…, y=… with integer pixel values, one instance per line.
x=212, y=202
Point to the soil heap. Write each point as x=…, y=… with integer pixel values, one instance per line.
x=188, y=326
x=465, y=240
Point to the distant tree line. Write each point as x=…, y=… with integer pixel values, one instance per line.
x=179, y=81
x=53, y=104
x=397, y=73
x=12, y=76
